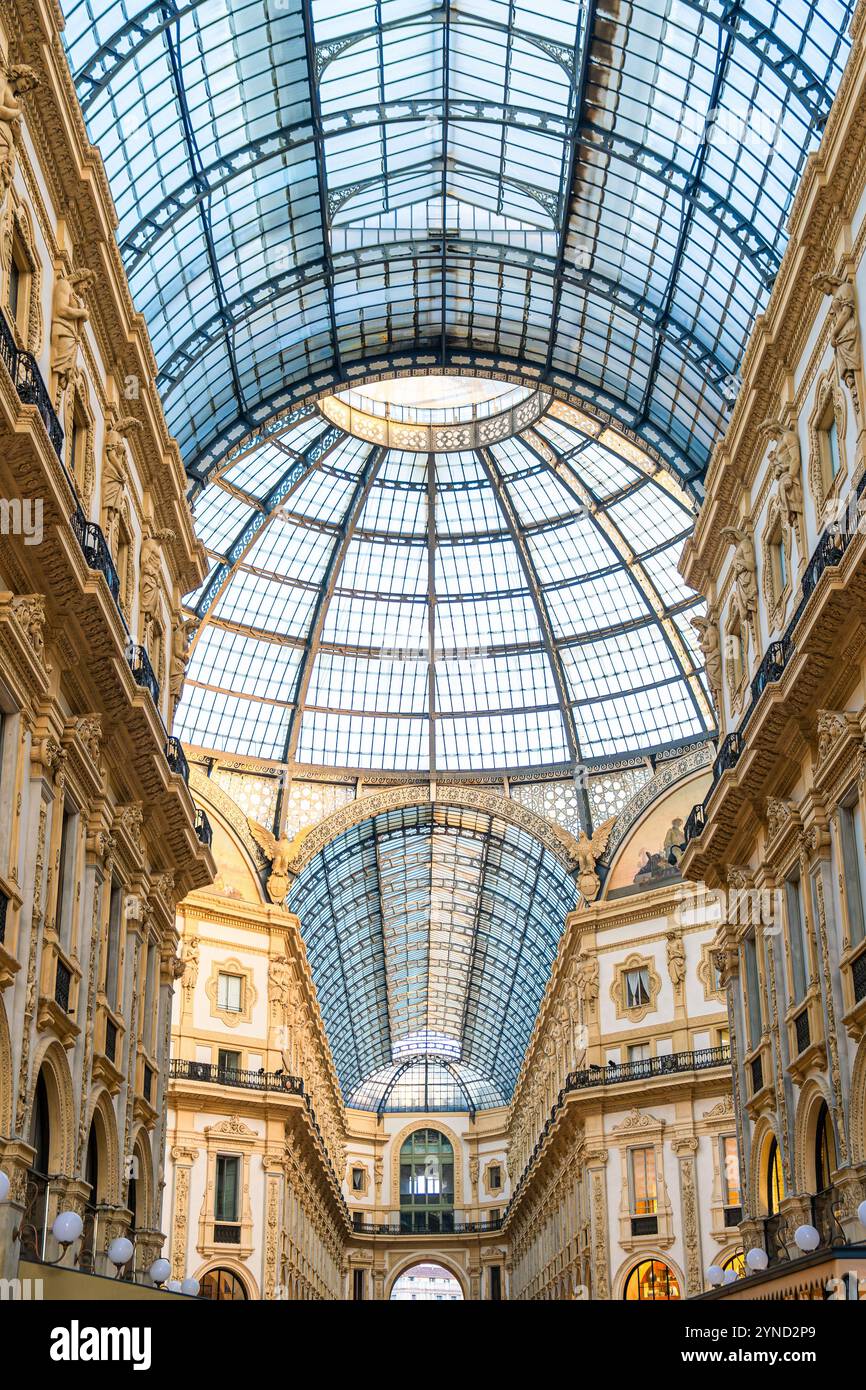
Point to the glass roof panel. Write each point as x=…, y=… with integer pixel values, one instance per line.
x=305, y=186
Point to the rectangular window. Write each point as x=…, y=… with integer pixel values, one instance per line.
x=227, y=1060
x=753, y=991
x=730, y=1170
x=854, y=867
x=638, y=1052
x=834, y=458
x=227, y=1200
x=66, y=873
x=112, y=953
x=358, y=1285
x=642, y=1172
x=494, y=1177
x=14, y=289
x=357, y=1180
x=796, y=937
x=496, y=1283
x=230, y=993
x=637, y=987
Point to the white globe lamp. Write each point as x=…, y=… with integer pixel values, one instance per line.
x=757, y=1259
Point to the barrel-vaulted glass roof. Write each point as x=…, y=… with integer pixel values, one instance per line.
x=431, y=932
x=594, y=193
x=514, y=606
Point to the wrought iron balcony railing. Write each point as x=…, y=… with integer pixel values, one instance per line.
x=858, y=976
x=801, y=1031
x=757, y=1070
x=110, y=1040
x=651, y=1067
x=729, y=754
x=142, y=671
x=4, y=908
x=208, y=1072
x=695, y=821
x=25, y=373
x=94, y=548
x=176, y=758
x=203, y=828
x=445, y=1227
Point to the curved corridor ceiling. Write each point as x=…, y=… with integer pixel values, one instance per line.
x=431, y=932
x=593, y=195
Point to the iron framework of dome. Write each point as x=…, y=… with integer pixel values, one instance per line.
x=594, y=194
x=512, y=607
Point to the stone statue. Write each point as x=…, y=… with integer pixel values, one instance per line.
x=15, y=81
x=587, y=852
x=844, y=332
x=190, y=964
x=786, y=465
x=280, y=852
x=676, y=959
x=587, y=977
x=279, y=978
x=68, y=318
x=181, y=633
x=744, y=569
x=711, y=650
x=114, y=474
x=150, y=573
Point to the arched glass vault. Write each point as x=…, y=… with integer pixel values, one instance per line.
x=431, y=931
x=594, y=194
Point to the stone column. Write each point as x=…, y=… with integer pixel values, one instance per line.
x=685, y=1150
x=183, y=1160
x=596, y=1166
x=15, y=1162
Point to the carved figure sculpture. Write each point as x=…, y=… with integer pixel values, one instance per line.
x=69, y=316
x=844, y=332
x=15, y=81
x=587, y=852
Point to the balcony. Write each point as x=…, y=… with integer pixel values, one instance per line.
x=94, y=548
x=31, y=389
x=695, y=822
x=801, y=1031
x=653, y=1066
x=4, y=908
x=203, y=828
x=208, y=1072
x=176, y=758
x=773, y=664
x=729, y=754
x=448, y=1227
x=142, y=671
x=858, y=974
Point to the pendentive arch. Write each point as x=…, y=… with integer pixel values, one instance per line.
x=427, y=1257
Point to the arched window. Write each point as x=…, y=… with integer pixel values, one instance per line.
x=825, y=1149
x=651, y=1281
x=427, y=1182
x=40, y=1133
x=775, y=1178
x=223, y=1286
x=91, y=1171
x=737, y=1262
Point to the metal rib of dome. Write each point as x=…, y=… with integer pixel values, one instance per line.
x=513, y=607
x=581, y=192
x=431, y=931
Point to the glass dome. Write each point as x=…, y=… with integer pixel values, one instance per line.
x=511, y=606
x=426, y=1084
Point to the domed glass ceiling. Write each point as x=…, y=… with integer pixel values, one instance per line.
x=594, y=193
x=508, y=607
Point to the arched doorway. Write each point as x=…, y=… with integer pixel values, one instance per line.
x=223, y=1286
x=426, y=1282
x=651, y=1281
x=825, y=1149
x=774, y=1178
x=426, y=1182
